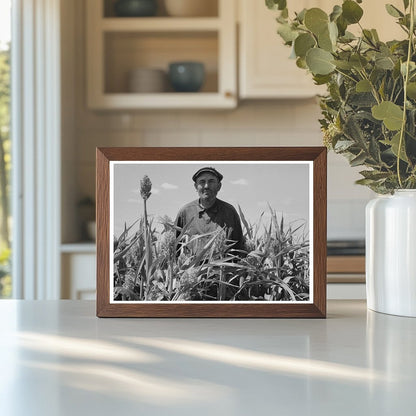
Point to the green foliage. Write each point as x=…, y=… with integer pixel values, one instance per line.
x=273, y=267
x=5, y=282
x=4, y=88
x=365, y=114
x=5, y=144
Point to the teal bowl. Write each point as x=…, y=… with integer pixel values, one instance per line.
x=186, y=76
x=135, y=8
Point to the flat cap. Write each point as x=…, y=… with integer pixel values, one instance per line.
x=209, y=170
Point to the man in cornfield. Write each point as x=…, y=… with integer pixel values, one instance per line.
x=208, y=214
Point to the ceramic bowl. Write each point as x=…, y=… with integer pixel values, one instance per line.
x=135, y=8
x=186, y=76
x=147, y=80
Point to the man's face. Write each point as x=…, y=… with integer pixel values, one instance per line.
x=207, y=186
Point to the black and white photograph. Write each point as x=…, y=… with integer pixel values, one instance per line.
x=211, y=231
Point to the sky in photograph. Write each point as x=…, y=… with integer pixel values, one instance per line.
x=253, y=187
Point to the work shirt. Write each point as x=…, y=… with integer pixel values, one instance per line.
x=221, y=214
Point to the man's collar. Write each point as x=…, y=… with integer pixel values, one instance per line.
x=212, y=208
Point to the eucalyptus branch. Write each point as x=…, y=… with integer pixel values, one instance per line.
x=373, y=88
x=346, y=75
x=392, y=91
x=405, y=81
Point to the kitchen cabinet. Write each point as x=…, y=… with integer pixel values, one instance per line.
x=118, y=45
x=265, y=67
x=265, y=70
x=78, y=263
x=346, y=277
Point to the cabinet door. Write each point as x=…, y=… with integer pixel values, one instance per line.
x=78, y=276
x=266, y=71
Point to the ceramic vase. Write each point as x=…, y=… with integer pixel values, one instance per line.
x=391, y=253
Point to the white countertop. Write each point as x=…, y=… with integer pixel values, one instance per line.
x=57, y=358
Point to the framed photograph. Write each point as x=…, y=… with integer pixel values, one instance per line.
x=211, y=232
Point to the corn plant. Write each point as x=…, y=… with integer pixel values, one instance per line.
x=151, y=265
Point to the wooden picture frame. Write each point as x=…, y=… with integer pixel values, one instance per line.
x=297, y=286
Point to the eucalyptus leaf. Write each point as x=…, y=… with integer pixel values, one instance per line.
x=351, y=11
x=385, y=50
x=363, y=86
x=358, y=61
x=377, y=75
x=374, y=151
x=276, y=4
x=303, y=43
x=342, y=25
x=391, y=114
x=411, y=90
x=319, y=61
x=345, y=65
x=354, y=132
x=301, y=63
x=382, y=89
x=394, y=143
x=358, y=160
x=405, y=21
x=369, y=36
x=384, y=62
x=343, y=145
x=287, y=33
x=375, y=175
x=336, y=12
x=281, y=19
x=316, y=20
x=375, y=35
x=321, y=79
x=393, y=11
x=347, y=37
x=333, y=32
x=411, y=124
x=301, y=15
x=325, y=42
x=365, y=182
x=412, y=67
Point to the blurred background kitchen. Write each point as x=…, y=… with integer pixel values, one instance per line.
x=125, y=80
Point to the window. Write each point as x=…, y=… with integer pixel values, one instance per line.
x=5, y=145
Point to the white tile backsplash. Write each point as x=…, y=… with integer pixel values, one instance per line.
x=346, y=219
x=257, y=123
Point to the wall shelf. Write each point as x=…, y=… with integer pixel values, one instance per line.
x=116, y=46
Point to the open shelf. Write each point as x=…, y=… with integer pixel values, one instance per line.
x=160, y=24
x=118, y=45
x=209, y=9
x=126, y=51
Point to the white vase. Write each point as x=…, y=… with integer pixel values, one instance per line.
x=391, y=253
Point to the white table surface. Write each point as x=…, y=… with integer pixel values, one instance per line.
x=57, y=358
